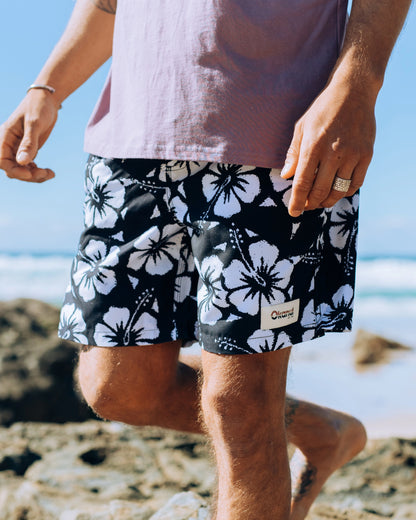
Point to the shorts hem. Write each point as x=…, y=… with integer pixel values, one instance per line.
x=232, y=346
x=148, y=343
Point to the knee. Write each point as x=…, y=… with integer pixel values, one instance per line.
x=241, y=413
x=115, y=396
x=245, y=390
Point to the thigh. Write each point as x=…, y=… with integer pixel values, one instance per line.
x=121, y=370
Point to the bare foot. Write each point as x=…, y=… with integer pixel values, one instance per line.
x=325, y=440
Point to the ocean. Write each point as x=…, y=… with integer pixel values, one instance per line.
x=321, y=370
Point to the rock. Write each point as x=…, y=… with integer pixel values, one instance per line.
x=36, y=367
x=124, y=510
x=115, y=510
x=17, y=461
x=377, y=481
x=326, y=512
x=108, y=471
x=406, y=512
x=370, y=349
x=183, y=506
x=97, y=470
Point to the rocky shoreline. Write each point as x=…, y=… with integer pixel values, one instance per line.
x=57, y=462
x=108, y=471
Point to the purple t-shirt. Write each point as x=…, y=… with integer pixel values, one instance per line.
x=213, y=80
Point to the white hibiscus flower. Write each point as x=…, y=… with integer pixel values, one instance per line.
x=72, y=325
x=178, y=170
x=157, y=250
x=178, y=204
x=120, y=327
x=227, y=186
x=258, y=280
x=343, y=224
x=93, y=271
x=104, y=197
x=338, y=314
x=211, y=294
x=259, y=342
x=281, y=185
x=309, y=317
x=183, y=286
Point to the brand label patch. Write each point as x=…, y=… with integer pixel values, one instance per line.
x=279, y=315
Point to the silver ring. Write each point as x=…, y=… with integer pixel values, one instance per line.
x=341, y=184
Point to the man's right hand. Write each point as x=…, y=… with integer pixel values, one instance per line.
x=24, y=133
x=83, y=47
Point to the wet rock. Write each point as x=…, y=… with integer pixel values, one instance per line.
x=370, y=349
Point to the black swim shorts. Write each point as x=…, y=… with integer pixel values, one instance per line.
x=178, y=250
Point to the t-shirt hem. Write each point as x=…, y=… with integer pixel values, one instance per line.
x=188, y=154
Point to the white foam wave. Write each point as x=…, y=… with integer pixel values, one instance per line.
x=386, y=274
x=386, y=308
x=41, y=277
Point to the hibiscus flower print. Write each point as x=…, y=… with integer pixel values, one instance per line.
x=337, y=315
x=344, y=223
x=211, y=295
x=260, y=342
x=178, y=203
x=157, y=250
x=281, y=186
x=258, y=279
x=94, y=271
x=104, y=197
x=227, y=186
x=178, y=170
x=183, y=280
x=309, y=317
x=72, y=325
x=121, y=327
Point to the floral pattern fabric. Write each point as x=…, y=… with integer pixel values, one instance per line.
x=195, y=250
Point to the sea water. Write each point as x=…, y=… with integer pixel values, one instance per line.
x=321, y=370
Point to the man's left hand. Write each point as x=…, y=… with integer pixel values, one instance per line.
x=334, y=138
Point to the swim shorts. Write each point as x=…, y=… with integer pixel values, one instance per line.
x=179, y=250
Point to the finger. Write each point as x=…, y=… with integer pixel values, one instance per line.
x=292, y=156
x=358, y=177
x=29, y=145
x=302, y=185
x=42, y=175
x=322, y=185
x=15, y=171
x=346, y=172
x=29, y=173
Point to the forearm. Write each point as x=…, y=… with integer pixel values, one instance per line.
x=372, y=31
x=84, y=46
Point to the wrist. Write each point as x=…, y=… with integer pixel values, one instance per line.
x=45, y=92
x=354, y=73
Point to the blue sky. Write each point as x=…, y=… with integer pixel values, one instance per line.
x=48, y=217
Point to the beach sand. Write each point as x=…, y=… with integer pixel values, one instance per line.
x=400, y=425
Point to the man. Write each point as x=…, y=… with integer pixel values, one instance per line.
x=197, y=92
